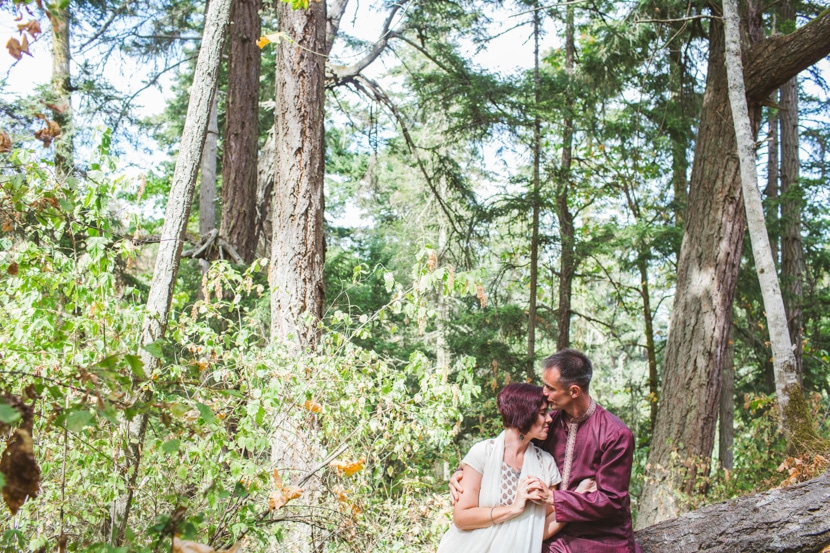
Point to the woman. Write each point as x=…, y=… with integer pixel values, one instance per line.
x=502, y=478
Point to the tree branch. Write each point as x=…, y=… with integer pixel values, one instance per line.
x=341, y=74
x=777, y=59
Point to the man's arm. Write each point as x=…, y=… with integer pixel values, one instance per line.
x=612, y=479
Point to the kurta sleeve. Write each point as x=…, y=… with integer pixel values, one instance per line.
x=476, y=458
x=613, y=477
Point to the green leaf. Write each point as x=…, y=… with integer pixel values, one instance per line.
x=76, y=420
x=136, y=365
x=2, y=480
x=8, y=414
x=154, y=349
x=171, y=446
x=206, y=413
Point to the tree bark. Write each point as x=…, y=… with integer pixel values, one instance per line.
x=651, y=350
x=207, y=182
x=792, y=250
x=771, y=190
x=239, y=171
x=783, y=520
x=297, y=245
x=708, y=268
x=567, y=258
x=177, y=212
x=726, y=414
x=536, y=207
x=62, y=90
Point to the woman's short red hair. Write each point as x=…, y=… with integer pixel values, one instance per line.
x=519, y=404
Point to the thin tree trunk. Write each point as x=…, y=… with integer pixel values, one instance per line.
x=207, y=181
x=534, y=198
x=177, y=212
x=567, y=259
x=61, y=88
x=707, y=270
x=239, y=170
x=795, y=418
x=771, y=191
x=792, y=250
x=266, y=174
x=726, y=414
x=651, y=351
x=298, y=245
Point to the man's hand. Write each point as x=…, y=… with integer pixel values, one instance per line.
x=455, y=486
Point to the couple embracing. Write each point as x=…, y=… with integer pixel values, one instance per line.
x=568, y=494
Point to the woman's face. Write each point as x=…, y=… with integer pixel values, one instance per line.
x=540, y=428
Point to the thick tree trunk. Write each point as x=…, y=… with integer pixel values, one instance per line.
x=785, y=520
x=708, y=268
x=297, y=246
x=239, y=171
x=792, y=251
x=177, y=212
x=567, y=259
x=726, y=414
x=61, y=89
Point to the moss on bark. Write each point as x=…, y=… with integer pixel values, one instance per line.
x=801, y=434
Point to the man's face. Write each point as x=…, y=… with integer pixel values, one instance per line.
x=556, y=393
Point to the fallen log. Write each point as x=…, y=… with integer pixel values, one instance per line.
x=795, y=519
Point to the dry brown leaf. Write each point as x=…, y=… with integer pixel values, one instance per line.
x=57, y=109
x=13, y=268
x=5, y=142
x=20, y=468
x=32, y=27
x=13, y=46
x=278, y=498
x=49, y=133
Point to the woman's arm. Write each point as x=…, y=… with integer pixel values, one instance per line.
x=467, y=515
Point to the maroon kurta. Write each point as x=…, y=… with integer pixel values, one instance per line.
x=600, y=521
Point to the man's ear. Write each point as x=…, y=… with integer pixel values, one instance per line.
x=574, y=391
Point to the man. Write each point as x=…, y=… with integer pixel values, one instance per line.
x=587, y=442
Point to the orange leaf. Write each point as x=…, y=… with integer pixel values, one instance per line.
x=313, y=406
x=348, y=468
x=275, y=476
x=265, y=40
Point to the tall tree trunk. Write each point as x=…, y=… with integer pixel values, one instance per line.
x=726, y=413
x=678, y=132
x=62, y=89
x=708, y=268
x=177, y=212
x=207, y=181
x=298, y=246
x=239, y=170
x=794, y=415
x=792, y=250
x=536, y=207
x=266, y=174
x=771, y=190
x=567, y=259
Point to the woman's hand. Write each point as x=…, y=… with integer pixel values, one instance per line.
x=586, y=486
x=455, y=486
